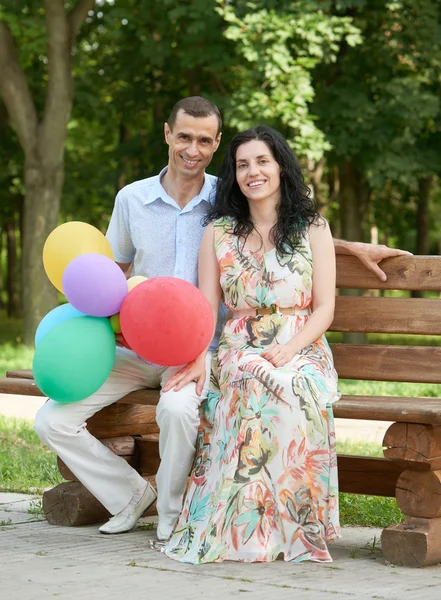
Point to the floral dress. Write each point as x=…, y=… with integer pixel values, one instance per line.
x=264, y=483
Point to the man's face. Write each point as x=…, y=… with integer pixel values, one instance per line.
x=192, y=143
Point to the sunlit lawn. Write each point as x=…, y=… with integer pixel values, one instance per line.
x=26, y=465
x=13, y=354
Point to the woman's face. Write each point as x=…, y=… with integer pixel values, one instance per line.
x=257, y=172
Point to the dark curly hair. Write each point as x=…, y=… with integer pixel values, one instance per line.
x=296, y=209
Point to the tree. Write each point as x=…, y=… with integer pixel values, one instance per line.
x=278, y=44
x=378, y=105
x=40, y=130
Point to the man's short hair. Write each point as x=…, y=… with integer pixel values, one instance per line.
x=195, y=106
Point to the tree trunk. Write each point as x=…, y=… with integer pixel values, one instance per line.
x=422, y=219
x=13, y=283
x=1, y=270
x=123, y=167
x=42, y=138
x=315, y=175
x=422, y=241
x=353, y=196
x=20, y=207
x=41, y=205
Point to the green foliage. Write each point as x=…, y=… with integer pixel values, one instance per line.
x=278, y=47
x=379, y=103
x=350, y=80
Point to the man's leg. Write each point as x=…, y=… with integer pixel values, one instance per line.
x=177, y=415
x=62, y=427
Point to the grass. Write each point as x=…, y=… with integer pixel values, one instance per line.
x=13, y=354
x=15, y=357
x=369, y=511
x=389, y=388
x=396, y=339
x=26, y=465
x=366, y=511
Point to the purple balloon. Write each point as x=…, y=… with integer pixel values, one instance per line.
x=94, y=285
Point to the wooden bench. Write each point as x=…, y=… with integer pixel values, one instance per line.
x=411, y=467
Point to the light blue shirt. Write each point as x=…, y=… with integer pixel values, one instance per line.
x=149, y=228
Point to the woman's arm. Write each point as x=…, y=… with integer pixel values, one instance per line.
x=209, y=284
x=208, y=272
x=323, y=297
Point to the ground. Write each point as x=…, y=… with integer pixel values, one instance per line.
x=39, y=561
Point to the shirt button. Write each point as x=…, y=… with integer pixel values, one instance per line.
x=181, y=241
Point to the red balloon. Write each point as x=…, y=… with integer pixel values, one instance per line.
x=121, y=339
x=166, y=321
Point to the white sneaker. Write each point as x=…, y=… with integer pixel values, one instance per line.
x=164, y=531
x=126, y=520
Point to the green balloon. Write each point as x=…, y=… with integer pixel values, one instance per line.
x=74, y=358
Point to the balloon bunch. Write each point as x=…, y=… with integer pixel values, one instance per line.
x=75, y=344
x=165, y=320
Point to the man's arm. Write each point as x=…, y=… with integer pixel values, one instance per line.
x=369, y=254
x=125, y=268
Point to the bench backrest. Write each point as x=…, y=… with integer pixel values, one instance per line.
x=370, y=314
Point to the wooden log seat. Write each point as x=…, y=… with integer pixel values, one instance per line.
x=411, y=467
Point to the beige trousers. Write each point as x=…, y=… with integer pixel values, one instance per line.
x=108, y=477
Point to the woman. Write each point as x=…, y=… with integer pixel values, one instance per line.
x=264, y=482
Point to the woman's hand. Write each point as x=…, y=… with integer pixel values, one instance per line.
x=193, y=371
x=279, y=355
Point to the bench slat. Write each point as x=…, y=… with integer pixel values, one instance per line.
x=24, y=374
x=28, y=387
x=417, y=364
x=381, y=408
x=389, y=408
x=122, y=419
x=366, y=475
x=13, y=385
x=403, y=273
x=420, y=316
x=144, y=397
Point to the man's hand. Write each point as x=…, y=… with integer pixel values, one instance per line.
x=121, y=341
x=193, y=371
x=369, y=254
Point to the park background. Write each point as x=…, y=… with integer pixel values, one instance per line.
x=86, y=86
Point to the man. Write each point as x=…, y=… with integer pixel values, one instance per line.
x=155, y=229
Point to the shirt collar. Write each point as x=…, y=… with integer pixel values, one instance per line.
x=158, y=192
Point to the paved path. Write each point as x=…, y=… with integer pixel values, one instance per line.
x=39, y=561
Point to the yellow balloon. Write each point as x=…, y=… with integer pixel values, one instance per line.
x=68, y=241
x=115, y=324
x=134, y=281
